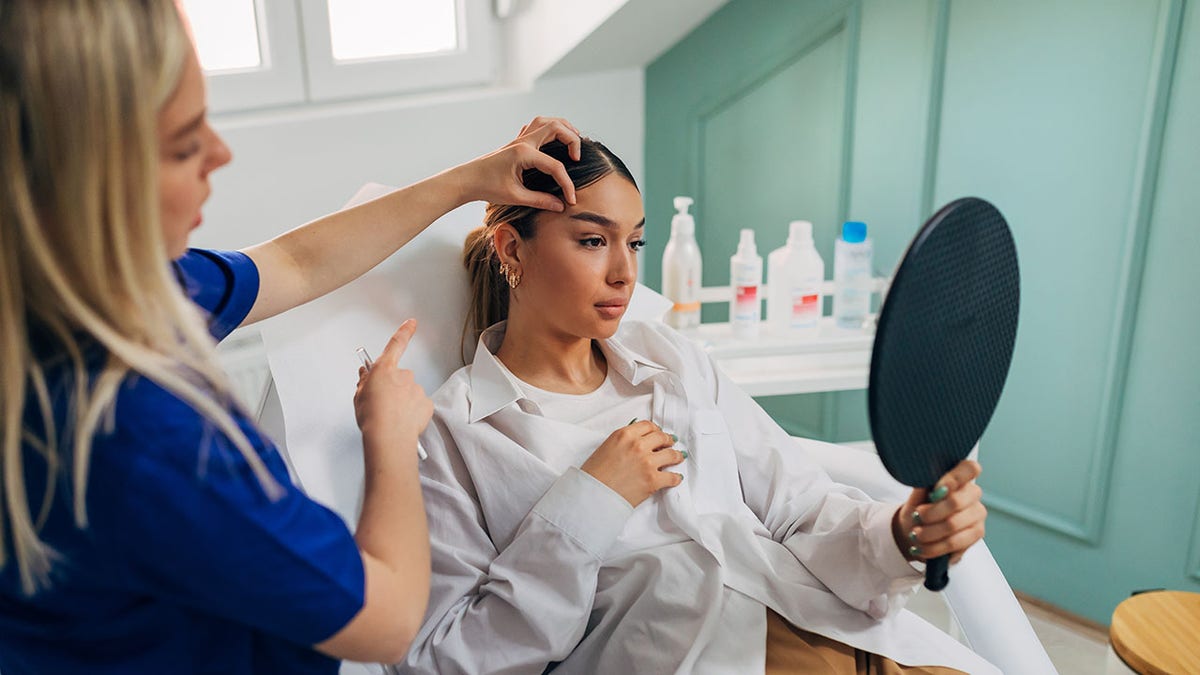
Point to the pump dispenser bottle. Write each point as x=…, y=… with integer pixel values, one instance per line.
x=852, y=277
x=745, y=276
x=794, y=276
x=681, y=268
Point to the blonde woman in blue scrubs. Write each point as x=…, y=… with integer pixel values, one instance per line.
x=146, y=525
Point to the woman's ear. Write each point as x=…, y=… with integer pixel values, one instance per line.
x=507, y=244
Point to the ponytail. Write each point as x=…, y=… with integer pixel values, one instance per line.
x=489, y=291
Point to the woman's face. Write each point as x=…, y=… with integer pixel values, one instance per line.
x=578, y=270
x=189, y=150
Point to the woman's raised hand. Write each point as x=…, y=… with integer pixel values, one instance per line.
x=632, y=461
x=496, y=176
x=389, y=405
x=950, y=524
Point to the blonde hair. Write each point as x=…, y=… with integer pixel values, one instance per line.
x=489, y=292
x=83, y=259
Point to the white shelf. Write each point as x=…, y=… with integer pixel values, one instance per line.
x=833, y=360
x=771, y=365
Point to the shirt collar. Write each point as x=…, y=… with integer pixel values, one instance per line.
x=628, y=362
x=493, y=387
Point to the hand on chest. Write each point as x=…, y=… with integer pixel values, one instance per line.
x=533, y=449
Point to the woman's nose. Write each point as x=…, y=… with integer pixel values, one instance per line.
x=220, y=154
x=623, y=269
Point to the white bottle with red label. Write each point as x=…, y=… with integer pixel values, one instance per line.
x=794, y=276
x=681, y=266
x=745, y=276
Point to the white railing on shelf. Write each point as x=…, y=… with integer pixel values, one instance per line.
x=715, y=294
x=833, y=359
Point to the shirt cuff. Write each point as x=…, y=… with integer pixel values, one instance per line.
x=585, y=509
x=883, y=545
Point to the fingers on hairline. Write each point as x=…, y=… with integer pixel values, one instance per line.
x=560, y=124
x=547, y=164
x=539, y=200
x=563, y=131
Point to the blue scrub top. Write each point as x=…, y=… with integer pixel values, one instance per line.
x=186, y=566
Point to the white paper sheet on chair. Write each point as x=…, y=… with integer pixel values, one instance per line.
x=311, y=348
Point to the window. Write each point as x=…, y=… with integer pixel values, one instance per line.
x=366, y=29
x=363, y=47
x=226, y=33
x=260, y=53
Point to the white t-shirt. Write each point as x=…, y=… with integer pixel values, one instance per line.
x=612, y=405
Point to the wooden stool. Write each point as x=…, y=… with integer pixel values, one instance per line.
x=1158, y=633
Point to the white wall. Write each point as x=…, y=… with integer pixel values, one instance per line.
x=292, y=166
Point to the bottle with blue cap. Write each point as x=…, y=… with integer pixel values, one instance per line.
x=852, y=276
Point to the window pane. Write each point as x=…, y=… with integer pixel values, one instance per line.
x=365, y=29
x=226, y=33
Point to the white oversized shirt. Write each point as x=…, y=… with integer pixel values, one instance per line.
x=537, y=565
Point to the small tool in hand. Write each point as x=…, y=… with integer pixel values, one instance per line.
x=367, y=362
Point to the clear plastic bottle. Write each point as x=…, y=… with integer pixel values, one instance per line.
x=681, y=267
x=794, y=276
x=852, y=276
x=745, y=276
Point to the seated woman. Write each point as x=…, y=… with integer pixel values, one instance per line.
x=601, y=499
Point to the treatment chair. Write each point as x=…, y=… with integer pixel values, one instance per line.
x=308, y=411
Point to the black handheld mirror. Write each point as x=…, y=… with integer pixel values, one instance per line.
x=943, y=345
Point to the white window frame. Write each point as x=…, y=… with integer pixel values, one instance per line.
x=472, y=63
x=298, y=65
x=279, y=80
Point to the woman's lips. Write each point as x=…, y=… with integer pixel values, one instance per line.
x=611, y=310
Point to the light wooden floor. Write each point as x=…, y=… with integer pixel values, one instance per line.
x=1075, y=646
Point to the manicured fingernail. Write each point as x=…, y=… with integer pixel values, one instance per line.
x=912, y=535
x=916, y=517
x=631, y=421
x=684, y=453
x=939, y=493
x=914, y=551
x=674, y=438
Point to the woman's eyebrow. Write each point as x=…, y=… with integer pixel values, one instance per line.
x=191, y=126
x=603, y=221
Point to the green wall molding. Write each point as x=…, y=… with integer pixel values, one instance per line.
x=1193, y=566
x=845, y=22
x=706, y=109
x=831, y=410
x=933, y=122
x=1133, y=264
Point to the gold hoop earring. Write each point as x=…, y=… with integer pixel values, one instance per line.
x=511, y=275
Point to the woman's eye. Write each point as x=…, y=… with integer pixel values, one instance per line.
x=188, y=152
x=592, y=242
x=637, y=245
